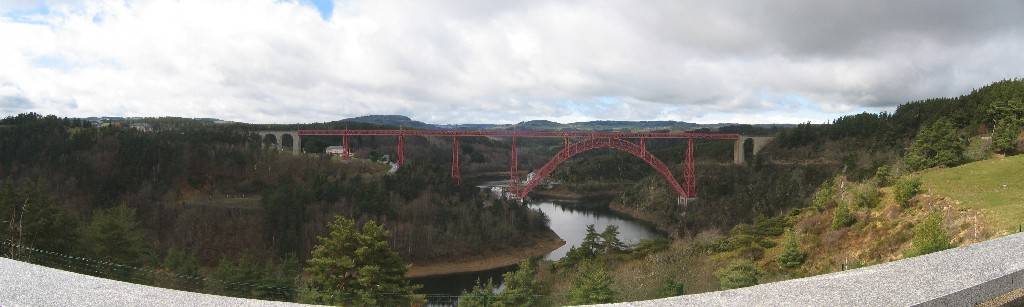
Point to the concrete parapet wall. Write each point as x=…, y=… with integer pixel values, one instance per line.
x=964, y=276
x=26, y=284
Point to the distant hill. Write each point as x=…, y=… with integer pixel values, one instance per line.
x=391, y=120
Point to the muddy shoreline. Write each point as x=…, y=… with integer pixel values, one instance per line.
x=544, y=243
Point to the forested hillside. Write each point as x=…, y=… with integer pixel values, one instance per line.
x=208, y=199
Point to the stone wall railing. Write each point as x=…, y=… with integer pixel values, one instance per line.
x=964, y=276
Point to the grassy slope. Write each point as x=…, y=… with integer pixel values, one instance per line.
x=994, y=186
x=975, y=205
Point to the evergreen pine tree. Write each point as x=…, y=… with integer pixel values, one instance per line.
x=1008, y=116
x=357, y=268
x=1004, y=135
x=842, y=217
x=610, y=242
x=115, y=234
x=929, y=236
x=30, y=217
x=905, y=189
x=591, y=243
x=482, y=295
x=591, y=285
x=179, y=270
x=883, y=175
x=823, y=196
x=739, y=274
x=521, y=286
x=791, y=256
x=938, y=144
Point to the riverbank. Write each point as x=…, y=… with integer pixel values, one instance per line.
x=652, y=219
x=544, y=243
x=567, y=195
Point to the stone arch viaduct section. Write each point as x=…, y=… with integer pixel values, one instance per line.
x=279, y=139
x=738, y=156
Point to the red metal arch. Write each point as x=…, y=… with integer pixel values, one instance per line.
x=595, y=143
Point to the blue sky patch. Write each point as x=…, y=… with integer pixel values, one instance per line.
x=51, y=62
x=326, y=7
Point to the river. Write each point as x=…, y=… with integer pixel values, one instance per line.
x=568, y=223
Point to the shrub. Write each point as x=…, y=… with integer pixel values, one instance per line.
x=649, y=246
x=671, y=287
x=883, y=175
x=823, y=196
x=791, y=256
x=482, y=295
x=751, y=252
x=978, y=149
x=842, y=217
x=929, y=236
x=739, y=274
x=866, y=195
x=769, y=226
x=905, y=189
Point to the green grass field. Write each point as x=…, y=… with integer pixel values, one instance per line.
x=996, y=186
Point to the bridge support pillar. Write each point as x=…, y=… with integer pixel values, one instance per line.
x=280, y=141
x=737, y=152
x=401, y=150
x=345, y=145
x=688, y=171
x=513, y=171
x=738, y=155
x=455, y=160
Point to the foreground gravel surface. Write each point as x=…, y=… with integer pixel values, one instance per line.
x=25, y=284
x=964, y=276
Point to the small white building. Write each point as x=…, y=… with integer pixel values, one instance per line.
x=143, y=127
x=338, y=151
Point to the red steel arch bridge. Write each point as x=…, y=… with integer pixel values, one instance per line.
x=576, y=142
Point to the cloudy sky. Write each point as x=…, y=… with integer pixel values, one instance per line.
x=274, y=61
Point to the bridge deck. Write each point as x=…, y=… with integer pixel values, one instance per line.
x=525, y=134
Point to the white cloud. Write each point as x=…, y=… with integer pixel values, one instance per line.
x=279, y=61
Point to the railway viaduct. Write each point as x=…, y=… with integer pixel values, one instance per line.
x=633, y=143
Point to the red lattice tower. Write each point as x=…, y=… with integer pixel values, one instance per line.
x=513, y=169
x=688, y=171
x=455, y=160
